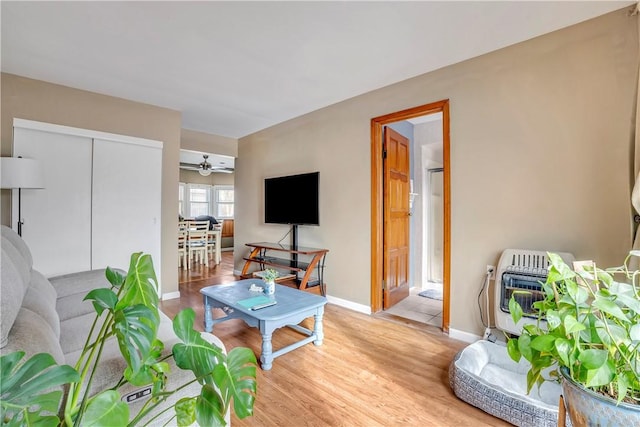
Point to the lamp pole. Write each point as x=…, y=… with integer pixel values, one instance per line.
x=19, y=211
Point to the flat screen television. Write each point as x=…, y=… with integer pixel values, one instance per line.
x=292, y=199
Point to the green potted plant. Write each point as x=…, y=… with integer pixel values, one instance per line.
x=269, y=276
x=589, y=338
x=31, y=392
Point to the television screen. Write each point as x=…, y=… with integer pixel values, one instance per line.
x=292, y=199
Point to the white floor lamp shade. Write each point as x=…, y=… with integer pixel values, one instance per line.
x=18, y=173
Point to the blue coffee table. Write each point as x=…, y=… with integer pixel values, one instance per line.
x=292, y=307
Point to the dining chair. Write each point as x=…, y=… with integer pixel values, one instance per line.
x=197, y=242
x=214, y=239
x=183, y=251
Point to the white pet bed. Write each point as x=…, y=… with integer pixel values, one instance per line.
x=484, y=376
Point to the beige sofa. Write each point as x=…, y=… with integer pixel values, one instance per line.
x=39, y=314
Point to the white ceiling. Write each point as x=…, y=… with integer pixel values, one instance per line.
x=233, y=68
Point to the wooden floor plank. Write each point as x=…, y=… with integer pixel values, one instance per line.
x=369, y=371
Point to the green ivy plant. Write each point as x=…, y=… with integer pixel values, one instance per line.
x=31, y=392
x=592, y=329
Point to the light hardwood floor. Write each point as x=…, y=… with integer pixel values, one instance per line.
x=368, y=372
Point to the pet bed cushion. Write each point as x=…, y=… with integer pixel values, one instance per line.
x=484, y=376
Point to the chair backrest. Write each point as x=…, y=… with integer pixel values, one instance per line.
x=198, y=225
x=182, y=236
x=197, y=232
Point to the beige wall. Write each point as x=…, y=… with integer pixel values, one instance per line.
x=194, y=177
x=540, y=142
x=208, y=143
x=36, y=100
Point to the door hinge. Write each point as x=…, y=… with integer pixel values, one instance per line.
x=384, y=285
x=384, y=153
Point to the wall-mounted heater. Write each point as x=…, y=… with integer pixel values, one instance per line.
x=521, y=270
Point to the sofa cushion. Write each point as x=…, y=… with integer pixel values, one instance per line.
x=32, y=334
x=20, y=264
x=13, y=237
x=41, y=298
x=71, y=290
x=74, y=331
x=12, y=290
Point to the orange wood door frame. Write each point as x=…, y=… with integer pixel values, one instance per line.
x=377, y=198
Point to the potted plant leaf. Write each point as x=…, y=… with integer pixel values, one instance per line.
x=587, y=336
x=31, y=392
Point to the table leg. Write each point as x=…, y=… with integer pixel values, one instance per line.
x=208, y=318
x=317, y=326
x=266, y=358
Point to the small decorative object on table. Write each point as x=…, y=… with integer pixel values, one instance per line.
x=270, y=275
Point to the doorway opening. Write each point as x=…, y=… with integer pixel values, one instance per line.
x=427, y=191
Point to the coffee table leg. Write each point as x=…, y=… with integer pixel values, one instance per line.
x=317, y=326
x=266, y=358
x=208, y=319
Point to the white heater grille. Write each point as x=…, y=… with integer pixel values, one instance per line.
x=520, y=270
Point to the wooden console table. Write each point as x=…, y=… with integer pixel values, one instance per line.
x=266, y=254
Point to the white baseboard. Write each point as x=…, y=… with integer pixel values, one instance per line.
x=361, y=308
x=463, y=336
x=237, y=272
x=170, y=295
x=230, y=249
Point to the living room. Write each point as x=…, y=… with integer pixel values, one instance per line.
x=538, y=129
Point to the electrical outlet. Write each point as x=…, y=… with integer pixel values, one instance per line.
x=491, y=269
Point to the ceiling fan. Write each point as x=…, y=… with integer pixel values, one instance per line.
x=205, y=168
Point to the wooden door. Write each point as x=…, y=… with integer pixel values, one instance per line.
x=396, y=218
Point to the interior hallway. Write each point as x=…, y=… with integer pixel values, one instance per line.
x=419, y=309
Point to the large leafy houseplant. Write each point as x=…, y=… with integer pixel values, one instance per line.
x=592, y=330
x=30, y=391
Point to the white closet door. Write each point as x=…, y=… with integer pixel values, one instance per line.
x=57, y=219
x=127, y=189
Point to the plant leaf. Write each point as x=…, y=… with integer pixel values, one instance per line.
x=563, y=347
x=634, y=332
x=25, y=388
x=600, y=376
x=515, y=309
x=136, y=329
x=194, y=353
x=102, y=298
x=593, y=358
x=141, y=284
x=106, y=409
x=524, y=345
x=609, y=307
x=186, y=411
x=512, y=349
x=237, y=379
x=558, y=270
x=571, y=325
x=553, y=319
x=623, y=386
x=114, y=277
x=210, y=408
x=543, y=343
